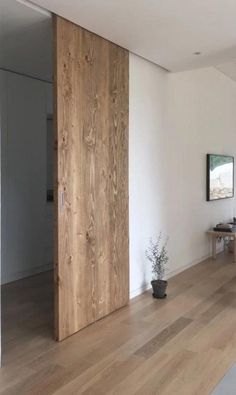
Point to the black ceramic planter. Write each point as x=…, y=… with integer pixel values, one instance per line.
x=159, y=288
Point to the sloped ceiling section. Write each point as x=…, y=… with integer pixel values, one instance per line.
x=228, y=69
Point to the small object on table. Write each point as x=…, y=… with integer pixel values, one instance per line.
x=215, y=234
x=230, y=227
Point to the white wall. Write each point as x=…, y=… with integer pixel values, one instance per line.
x=24, y=206
x=147, y=108
x=175, y=120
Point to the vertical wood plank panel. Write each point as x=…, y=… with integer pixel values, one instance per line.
x=91, y=109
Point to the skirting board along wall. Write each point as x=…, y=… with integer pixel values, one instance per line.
x=147, y=286
x=175, y=120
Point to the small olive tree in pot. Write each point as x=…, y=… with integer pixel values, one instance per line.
x=157, y=255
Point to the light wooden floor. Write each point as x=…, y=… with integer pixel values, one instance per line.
x=181, y=345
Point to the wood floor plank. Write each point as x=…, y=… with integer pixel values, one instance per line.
x=230, y=286
x=189, y=378
x=160, y=381
x=219, y=306
x=157, y=342
x=182, y=345
x=211, y=334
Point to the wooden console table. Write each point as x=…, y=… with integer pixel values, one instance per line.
x=215, y=234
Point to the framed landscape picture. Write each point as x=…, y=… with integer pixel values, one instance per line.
x=220, y=177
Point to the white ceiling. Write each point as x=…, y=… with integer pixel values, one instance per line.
x=25, y=40
x=166, y=32
x=159, y=30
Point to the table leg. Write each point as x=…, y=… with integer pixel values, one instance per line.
x=213, y=247
x=234, y=249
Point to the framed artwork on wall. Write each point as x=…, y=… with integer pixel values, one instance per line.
x=220, y=177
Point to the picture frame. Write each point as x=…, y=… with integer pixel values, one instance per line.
x=220, y=177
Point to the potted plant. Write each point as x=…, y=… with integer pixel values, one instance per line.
x=157, y=255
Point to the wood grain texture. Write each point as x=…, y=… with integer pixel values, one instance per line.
x=158, y=341
x=182, y=345
x=92, y=259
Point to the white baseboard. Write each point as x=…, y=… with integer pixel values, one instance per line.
x=140, y=290
x=10, y=277
x=172, y=273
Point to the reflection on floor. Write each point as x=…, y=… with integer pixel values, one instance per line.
x=27, y=314
x=182, y=345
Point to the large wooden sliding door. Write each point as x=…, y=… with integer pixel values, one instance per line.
x=91, y=109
